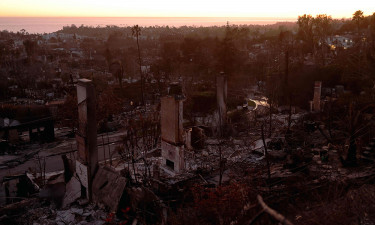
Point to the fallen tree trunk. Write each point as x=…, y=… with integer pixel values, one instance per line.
x=273, y=212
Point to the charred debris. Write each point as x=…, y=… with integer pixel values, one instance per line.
x=256, y=163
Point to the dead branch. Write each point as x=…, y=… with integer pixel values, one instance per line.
x=272, y=212
x=203, y=178
x=18, y=205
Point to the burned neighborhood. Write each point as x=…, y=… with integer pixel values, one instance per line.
x=231, y=124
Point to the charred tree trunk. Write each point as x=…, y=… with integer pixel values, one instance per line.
x=140, y=71
x=287, y=89
x=266, y=153
x=351, y=158
x=270, y=121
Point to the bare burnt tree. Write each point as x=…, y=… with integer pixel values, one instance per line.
x=356, y=126
x=141, y=137
x=265, y=151
x=286, y=45
x=272, y=95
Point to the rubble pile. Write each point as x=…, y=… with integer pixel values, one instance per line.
x=47, y=213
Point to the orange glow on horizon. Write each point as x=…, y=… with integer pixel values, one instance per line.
x=191, y=8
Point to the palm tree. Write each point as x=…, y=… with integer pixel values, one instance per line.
x=136, y=31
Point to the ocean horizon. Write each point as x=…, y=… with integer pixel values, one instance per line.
x=53, y=24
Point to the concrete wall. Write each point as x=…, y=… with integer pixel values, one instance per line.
x=171, y=120
x=172, y=133
x=86, y=136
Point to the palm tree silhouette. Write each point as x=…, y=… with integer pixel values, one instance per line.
x=136, y=31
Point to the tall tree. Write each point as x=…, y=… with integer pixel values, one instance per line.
x=358, y=18
x=286, y=41
x=136, y=31
x=321, y=30
x=305, y=31
x=228, y=58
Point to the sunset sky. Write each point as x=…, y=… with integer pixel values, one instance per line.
x=189, y=8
